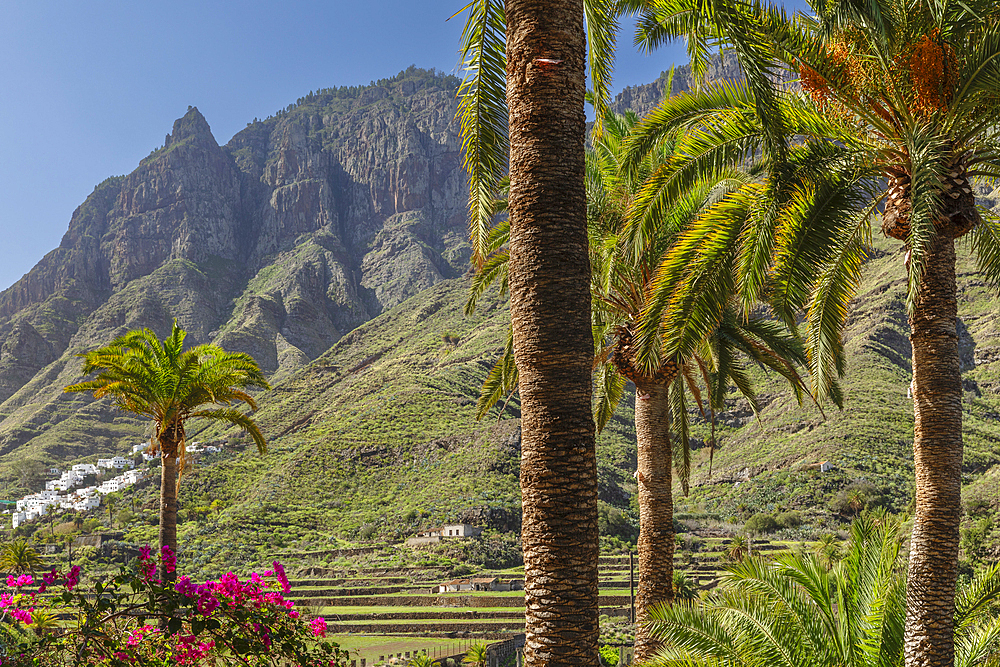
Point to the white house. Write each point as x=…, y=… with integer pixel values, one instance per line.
x=85, y=468
x=88, y=503
x=117, y=462
x=453, y=530
x=55, y=471
x=110, y=486
x=455, y=585
x=443, y=533
x=825, y=466
x=132, y=476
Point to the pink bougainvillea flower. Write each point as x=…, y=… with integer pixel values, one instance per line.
x=279, y=572
x=318, y=626
x=185, y=586
x=169, y=558
x=23, y=615
x=73, y=577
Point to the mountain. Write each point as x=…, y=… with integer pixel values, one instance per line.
x=329, y=241
x=300, y=229
x=642, y=98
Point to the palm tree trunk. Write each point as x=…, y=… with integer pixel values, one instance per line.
x=937, y=457
x=656, y=510
x=553, y=344
x=168, y=509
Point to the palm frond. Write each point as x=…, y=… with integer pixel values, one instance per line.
x=237, y=418
x=500, y=382
x=610, y=389
x=601, y=24
x=482, y=110
x=682, y=437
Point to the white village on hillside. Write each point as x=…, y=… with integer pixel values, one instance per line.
x=37, y=505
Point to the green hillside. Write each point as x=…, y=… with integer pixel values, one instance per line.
x=773, y=466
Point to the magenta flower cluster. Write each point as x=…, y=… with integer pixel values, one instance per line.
x=20, y=604
x=200, y=623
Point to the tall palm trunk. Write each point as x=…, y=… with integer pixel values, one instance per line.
x=168, y=508
x=553, y=345
x=656, y=510
x=169, y=453
x=937, y=457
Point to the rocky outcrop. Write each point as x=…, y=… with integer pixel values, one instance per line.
x=301, y=228
x=642, y=99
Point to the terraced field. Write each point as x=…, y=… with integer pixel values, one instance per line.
x=382, y=612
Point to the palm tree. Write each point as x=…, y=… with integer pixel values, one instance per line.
x=162, y=381
x=793, y=611
x=916, y=85
x=522, y=106
x=550, y=311
x=422, y=660
x=110, y=500
x=44, y=622
x=827, y=549
x=19, y=557
x=628, y=243
x=624, y=257
x=684, y=588
x=738, y=549
x=475, y=656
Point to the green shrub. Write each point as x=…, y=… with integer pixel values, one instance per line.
x=791, y=519
x=609, y=656
x=853, y=499
x=761, y=523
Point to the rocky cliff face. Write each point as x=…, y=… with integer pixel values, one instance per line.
x=642, y=99
x=301, y=228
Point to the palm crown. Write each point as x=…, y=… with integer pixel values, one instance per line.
x=902, y=115
x=164, y=382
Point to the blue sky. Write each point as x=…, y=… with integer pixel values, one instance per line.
x=89, y=89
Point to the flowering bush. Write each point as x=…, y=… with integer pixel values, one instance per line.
x=136, y=620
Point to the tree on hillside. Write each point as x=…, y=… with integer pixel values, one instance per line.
x=111, y=500
x=19, y=557
x=917, y=88
x=162, y=381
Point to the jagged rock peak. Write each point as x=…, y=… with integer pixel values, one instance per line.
x=191, y=125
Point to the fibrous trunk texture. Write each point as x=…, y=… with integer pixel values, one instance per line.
x=656, y=511
x=553, y=344
x=937, y=455
x=168, y=508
